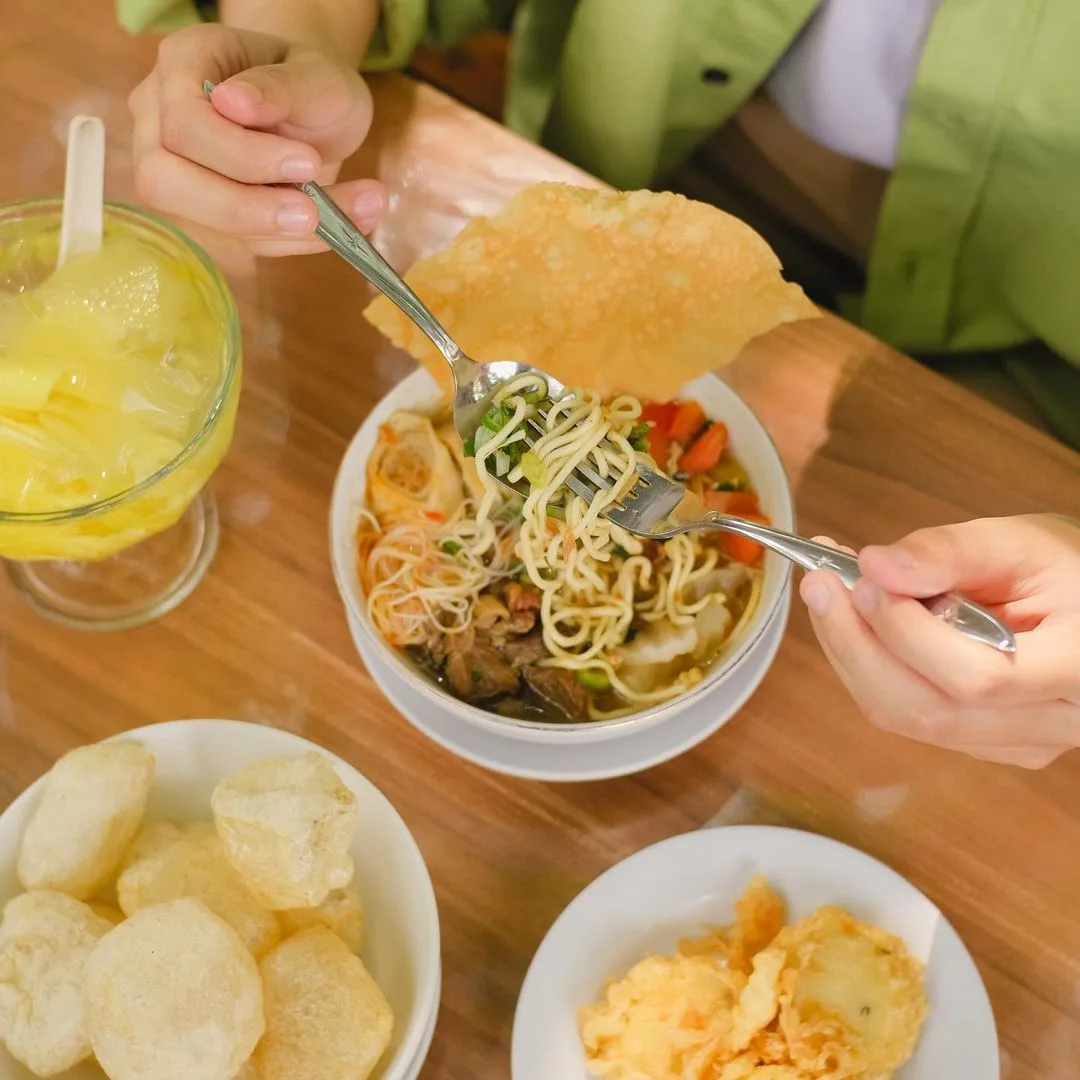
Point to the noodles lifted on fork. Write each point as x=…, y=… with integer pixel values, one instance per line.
x=598, y=584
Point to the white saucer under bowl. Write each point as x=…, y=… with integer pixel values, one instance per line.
x=681, y=886
x=631, y=753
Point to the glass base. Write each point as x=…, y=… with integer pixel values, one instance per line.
x=130, y=588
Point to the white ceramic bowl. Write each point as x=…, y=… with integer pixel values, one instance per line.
x=752, y=446
x=402, y=922
x=681, y=886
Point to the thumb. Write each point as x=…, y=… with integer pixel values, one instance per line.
x=307, y=98
x=991, y=559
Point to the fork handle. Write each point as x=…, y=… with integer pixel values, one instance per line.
x=339, y=234
x=969, y=618
x=342, y=236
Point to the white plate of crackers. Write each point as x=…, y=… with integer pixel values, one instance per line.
x=212, y=900
x=753, y=953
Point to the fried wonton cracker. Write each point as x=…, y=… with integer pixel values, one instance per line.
x=759, y=1001
x=759, y=915
x=625, y=292
x=667, y=1019
x=852, y=1000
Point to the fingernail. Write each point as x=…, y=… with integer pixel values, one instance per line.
x=368, y=205
x=298, y=167
x=254, y=94
x=294, y=219
x=865, y=596
x=815, y=594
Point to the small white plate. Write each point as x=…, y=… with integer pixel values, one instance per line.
x=680, y=886
x=631, y=753
x=402, y=950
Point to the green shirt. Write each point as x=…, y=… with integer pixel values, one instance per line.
x=978, y=243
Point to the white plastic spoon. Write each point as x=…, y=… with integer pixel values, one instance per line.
x=84, y=189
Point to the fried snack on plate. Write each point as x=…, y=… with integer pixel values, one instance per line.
x=169, y=861
x=326, y=1019
x=112, y=915
x=92, y=804
x=625, y=292
x=342, y=912
x=770, y=1048
x=760, y=913
x=851, y=996
x=173, y=994
x=411, y=471
x=45, y=938
x=759, y=1001
x=287, y=826
x=665, y=1019
x=745, y=1068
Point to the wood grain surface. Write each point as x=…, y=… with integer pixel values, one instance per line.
x=875, y=447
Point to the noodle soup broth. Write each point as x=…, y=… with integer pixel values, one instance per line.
x=538, y=615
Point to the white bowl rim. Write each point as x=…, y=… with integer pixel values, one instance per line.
x=429, y=985
x=585, y=731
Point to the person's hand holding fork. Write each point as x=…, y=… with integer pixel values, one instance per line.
x=913, y=675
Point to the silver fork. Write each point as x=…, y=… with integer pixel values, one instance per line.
x=659, y=508
x=474, y=383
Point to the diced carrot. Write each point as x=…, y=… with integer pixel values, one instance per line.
x=660, y=415
x=434, y=515
x=689, y=420
x=741, y=550
x=659, y=446
x=739, y=503
x=706, y=451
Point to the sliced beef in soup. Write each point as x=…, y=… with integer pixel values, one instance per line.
x=475, y=668
x=561, y=688
x=524, y=651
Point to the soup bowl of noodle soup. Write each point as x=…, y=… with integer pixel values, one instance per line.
x=537, y=619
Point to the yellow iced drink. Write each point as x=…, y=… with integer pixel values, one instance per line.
x=117, y=395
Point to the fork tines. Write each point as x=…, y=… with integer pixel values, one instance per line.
x=586, y=481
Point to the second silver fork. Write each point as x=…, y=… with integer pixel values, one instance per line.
x=658, y=508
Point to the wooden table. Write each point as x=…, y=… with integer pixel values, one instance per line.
x=875, y=447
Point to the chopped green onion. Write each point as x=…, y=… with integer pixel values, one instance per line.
x=502, y=463
x=476, y=676
x=470, y=448
x=497, y=417
x=594, y=679
x=451, y=547
x=545, y=573
x=639, y=437
x=556, y=512
x=619, y=550
x=533, y=469
x=534, y=397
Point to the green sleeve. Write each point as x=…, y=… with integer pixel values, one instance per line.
x=403, y=24
x=135, y=16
